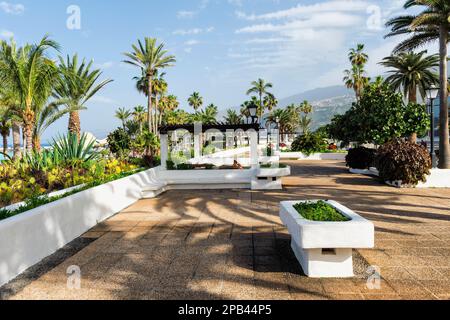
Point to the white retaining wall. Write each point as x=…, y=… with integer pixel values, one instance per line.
x=27, y=238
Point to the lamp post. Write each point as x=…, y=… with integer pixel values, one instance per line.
x=277, y=120
x=432, y=94
x=252, y=110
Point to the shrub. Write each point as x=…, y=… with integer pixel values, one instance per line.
x=309, y=144
x=360, y=158
x=71, y=150
x=403, y=161
x=119, y=143
x=319, y=211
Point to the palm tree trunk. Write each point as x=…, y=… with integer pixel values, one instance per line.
x=444, y=147
x=75, y=123
x=28, y=120
x=413, y=99
x=5, y=143
x=155, y=120
x=16, y=139
x=36, y=143
x=150, y=106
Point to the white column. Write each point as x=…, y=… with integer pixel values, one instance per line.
x=254, y=157
x=164, y=151
x=197, y=146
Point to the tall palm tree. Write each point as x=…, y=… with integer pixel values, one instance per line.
x=123, y=114
x=32, y=75
x=149, y=57
x=167, y=104
x=159, y=90
x=195, y=101
x=306, y=107
x=356, y=79
x=77, y=85
x=428, y=26
x=305, y=124
x=261, y=88
x=357, y=56
x=139, y=115
x=233, y=117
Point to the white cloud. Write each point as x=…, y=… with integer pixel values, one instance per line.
x=105, y=65
x=186, y=14
x=194, y=31
x=103, y=99
x=6, y=34
x=12, y=8
x=302, y=10
x=191, y=42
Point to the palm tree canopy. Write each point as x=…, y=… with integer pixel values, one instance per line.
x=78, y=83
x=149, y=56
x=423, y=27
x=233, y=118
x=195, y=101
x=412, y=71
x=260, y=87
x=123, y=114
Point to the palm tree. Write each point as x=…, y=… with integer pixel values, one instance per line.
x=195, y=101
x=31, y=74
x=233, y=118
x=149, y=57
x=412, y=72
x=5, y=125
x=356, y=79
x=167, y=104
x=77, y=85
x=122, y=114
x=306, y=107
x=207, y=116
x=261, y=88
x=45, y=117
x=139, y=115
x=159, y=90
x=270, y=102
x=357, y=56
x=305, y=124
x=430, y=25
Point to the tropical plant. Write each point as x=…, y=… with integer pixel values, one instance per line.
x=77, y=85
x=260, y=87
x=176, y=117
x=123, y=115
x=309, y=144
x=305, y=124
x=270, y=102
x=403, y=161
x=355, y=78
x=149, y=57
x=195, y=101
x=233, y=118
x=5, y=125
x=360, y=158
x=207, y=116
x=430, y=25
x=31, y=74
x=72, y=150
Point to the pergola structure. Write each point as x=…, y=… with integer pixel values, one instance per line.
x=199, y=129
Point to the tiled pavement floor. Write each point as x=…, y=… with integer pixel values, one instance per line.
x=231, y=244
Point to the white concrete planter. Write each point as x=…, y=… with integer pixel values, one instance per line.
x=439, y=178
x=313, y=157
x=324, y=249
x=27, y=238
x=367, y=172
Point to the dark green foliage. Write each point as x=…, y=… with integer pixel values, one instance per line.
x=70, y=150
x=403, y=161
x=319, y=211
x=360, y=158
x=119, y=142
x=378, y=117
x=309, y=144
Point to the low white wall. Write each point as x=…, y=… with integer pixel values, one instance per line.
x=313, y=157
x=28, y=238
x=439, y=178
x=206, y=176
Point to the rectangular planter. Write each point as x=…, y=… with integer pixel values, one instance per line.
x=439, y=178
x=313, y=157
x=27, y=238
x=324, y=249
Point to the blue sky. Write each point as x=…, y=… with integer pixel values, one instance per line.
x=220, y=45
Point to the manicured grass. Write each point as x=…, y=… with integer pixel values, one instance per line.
x=319, y=211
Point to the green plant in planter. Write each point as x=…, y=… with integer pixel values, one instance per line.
x=360, y=158
x=319, y=211
x=309, y=144
x=119, y=142
x=403, y=161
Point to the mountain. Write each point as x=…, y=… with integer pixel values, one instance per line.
x=318, y=94
x=327, y=103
